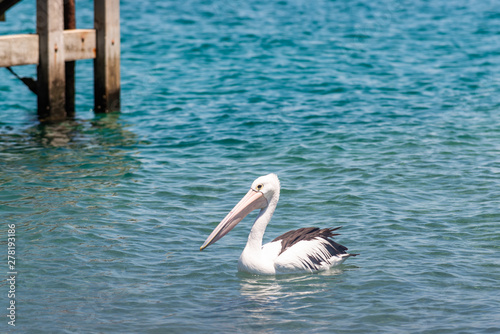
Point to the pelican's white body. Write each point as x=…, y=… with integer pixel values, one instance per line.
x=268, y=261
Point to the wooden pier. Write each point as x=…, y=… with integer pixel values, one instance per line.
x=57, y=45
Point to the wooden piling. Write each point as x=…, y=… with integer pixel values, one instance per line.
x=55, y=47
x=70, y=23
x=107, y=60
x=51, y=68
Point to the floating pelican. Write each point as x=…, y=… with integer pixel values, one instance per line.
x=303, y=250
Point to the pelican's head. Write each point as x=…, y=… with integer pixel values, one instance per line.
x=268, y=185
x=264, y=190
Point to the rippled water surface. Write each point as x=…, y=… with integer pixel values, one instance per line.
x=379, y=116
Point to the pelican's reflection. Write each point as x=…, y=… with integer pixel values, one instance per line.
x=272, y=289
x=267, y=299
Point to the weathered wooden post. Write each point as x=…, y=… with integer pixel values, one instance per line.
x=51, y=71
x=107, y=60
x=57, y=45
x=70, y=23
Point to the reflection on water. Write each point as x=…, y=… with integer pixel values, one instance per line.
x=55, y=135
x=266, y=296
x=273, y=289
x=269, y=289
x=104, y=129
x=47, y=155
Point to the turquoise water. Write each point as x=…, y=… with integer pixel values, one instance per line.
x=378, y=116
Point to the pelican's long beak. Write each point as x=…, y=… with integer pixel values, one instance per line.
x=252, y=200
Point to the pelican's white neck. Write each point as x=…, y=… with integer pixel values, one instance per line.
x=253, y=259
x=259, y=226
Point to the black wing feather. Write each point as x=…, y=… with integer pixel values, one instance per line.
x=290, y=238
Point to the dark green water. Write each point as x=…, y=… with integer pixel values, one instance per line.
x=381, y=116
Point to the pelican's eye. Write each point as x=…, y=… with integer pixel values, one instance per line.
x=260, y=186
